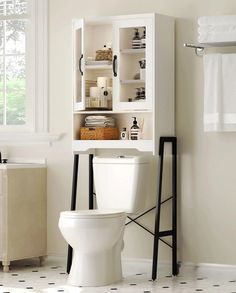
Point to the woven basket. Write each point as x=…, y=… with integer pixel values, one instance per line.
x=99, y=133
x=103, y=55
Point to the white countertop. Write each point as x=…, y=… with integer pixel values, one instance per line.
x=22, y=163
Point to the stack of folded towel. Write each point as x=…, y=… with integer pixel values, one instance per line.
x=216, y=29
x=99, y=121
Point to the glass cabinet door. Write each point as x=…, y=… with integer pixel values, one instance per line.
x=78, y=65
x=133, y=68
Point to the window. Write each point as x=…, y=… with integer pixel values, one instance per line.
x=13, y=26
x=23, y=66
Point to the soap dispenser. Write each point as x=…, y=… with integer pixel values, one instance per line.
x=135, y=130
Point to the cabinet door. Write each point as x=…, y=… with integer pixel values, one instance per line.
x=78, y=65
x=133, y=86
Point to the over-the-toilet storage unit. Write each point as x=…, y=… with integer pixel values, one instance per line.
x=156, y=110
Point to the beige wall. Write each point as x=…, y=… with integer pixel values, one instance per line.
x=207, y=189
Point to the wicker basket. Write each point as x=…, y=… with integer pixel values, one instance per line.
x=104, y=55
x=99, y=133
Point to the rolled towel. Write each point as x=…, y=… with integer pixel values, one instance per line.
x=223, y=28
x=217, y=20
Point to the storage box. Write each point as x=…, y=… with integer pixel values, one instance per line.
x=103, y=55
x=99, y=133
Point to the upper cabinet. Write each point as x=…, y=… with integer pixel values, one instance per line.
x=133, y=64
x=123, y=67
x=78, y=65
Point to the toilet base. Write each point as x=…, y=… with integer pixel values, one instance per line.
x=96, y=269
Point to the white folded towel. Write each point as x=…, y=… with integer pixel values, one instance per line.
x=217, y=20
x=220, y=92
x=224, y=28
x=217, y=37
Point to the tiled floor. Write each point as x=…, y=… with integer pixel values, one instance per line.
x=27, y=276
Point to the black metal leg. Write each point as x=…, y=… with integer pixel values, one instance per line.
x=159, y=234
x=73, y=205
x=174, y=208
x=158, y=216
x=91, y=182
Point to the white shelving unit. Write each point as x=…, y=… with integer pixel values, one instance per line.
x=156, y=109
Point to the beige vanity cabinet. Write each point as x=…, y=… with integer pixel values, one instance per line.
x=23, y=217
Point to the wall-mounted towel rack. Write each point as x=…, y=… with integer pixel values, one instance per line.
x=199, y=49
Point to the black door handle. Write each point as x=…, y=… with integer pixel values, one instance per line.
x=80, y=61
x=114, y=65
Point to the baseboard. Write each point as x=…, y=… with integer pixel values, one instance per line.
x=143, y=265
x=208, y=268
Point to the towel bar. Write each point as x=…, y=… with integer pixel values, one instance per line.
x=199, y=49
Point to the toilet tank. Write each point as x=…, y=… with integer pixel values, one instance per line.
x=121, y=183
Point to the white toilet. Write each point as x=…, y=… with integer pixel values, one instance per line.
x=96, y=236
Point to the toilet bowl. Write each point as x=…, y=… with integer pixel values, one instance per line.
x=96, y=236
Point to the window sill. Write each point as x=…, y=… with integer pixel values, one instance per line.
x=29, y=138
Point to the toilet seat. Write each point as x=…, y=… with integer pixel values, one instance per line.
x=92, y=214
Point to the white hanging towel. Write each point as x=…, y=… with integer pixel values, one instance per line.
x=220, y=92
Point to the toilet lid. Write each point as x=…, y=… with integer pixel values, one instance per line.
x=95, y=214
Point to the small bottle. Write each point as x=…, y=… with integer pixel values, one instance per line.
x=136, y=42
x=124, y=134
x=143, y=38
x=134, y=130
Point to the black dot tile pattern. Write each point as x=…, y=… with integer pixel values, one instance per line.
x=53, y=278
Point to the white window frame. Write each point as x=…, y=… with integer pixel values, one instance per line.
x=37, y=130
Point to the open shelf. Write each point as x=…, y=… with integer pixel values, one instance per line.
x=85, y=145
x=131, y=111
x=132, y=51
x=132, y=81
x=98, y=67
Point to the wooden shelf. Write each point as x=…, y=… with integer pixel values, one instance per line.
x=86, y=145
x=111, y=111
x=133, y=51
x=98, y=67
x=132, y=81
